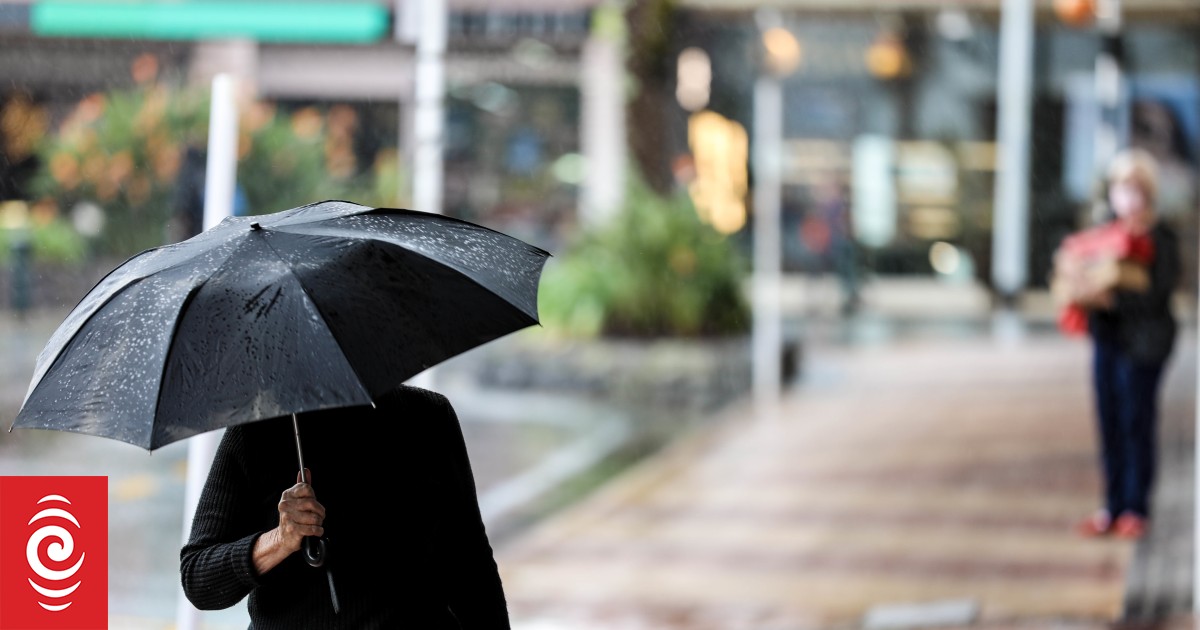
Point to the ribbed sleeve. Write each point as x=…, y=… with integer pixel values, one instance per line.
x=216, y=564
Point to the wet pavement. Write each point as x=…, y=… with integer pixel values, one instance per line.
x=934, y=465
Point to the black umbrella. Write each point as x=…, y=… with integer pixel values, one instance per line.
x=323, y=306
x=327, y=305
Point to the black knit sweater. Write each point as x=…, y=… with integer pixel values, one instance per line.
x=407, y=547
x=1141, y=324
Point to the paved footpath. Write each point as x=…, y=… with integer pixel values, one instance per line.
x=913, y=473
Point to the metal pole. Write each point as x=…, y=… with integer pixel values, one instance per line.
x=1108, y=81
x=1011, y=211
x=602, y=136
x=428, y=121
x=220, y=176
x=1108, y=137
x=768, y=327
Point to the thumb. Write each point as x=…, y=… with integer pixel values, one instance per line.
x=300, y=476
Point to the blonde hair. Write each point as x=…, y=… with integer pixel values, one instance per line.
x=1137, y=165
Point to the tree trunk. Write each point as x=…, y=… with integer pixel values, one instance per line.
x=651, y=30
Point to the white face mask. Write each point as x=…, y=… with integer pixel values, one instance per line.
x=1128, y=199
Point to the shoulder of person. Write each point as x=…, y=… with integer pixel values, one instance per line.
x=410, y=395
x=1165, y=236
x=1163, y=229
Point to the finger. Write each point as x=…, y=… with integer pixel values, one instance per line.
x=302, y=506
x=293, y=507
x=304, y=518
x=298, y=532
x=299, y=491
x=301, y=477
x=311, y=530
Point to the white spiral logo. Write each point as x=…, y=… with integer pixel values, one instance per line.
x=60, y=551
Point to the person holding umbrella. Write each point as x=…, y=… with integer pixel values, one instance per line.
x=307, y=321
x=393, y=498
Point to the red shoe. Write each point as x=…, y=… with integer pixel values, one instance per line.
x=1130, y=526
x=1098, y=524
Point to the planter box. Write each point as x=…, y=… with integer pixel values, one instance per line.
x=679, y=374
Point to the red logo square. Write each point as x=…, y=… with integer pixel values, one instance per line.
x=53, y=553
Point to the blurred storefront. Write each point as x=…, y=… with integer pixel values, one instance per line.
x=513, y=105
x=891, y=105
x=896, y=103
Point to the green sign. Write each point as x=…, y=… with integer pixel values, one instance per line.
x=301, y=22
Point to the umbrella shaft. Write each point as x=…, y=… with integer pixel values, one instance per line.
x=299, y=450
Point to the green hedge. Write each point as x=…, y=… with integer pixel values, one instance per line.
x=654, y=270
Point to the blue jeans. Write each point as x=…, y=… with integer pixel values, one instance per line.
x=1127, y=408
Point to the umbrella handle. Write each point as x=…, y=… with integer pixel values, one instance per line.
x=314, y=551
x=314, y=547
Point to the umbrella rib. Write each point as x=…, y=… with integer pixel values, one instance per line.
x=367, y=210
x=300, y=283
x=191, y=296
x=467, y=276
x=67, y=342
x=534, y=320
x=116, y=292
x=162, y=375
x=449, y=219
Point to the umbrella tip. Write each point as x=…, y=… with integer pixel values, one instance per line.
x=255, y=226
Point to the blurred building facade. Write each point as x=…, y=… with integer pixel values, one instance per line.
x=897, y=101
x=513, y=105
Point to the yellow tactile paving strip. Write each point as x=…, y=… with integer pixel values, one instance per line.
x=923, y=472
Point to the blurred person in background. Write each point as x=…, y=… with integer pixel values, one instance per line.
x=1133, y=334
x=832, y=205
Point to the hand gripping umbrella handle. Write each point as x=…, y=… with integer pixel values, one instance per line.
x=314, y=548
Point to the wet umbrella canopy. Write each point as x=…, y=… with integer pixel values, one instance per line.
x=327, y=305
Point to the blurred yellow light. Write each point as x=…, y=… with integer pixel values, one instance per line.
x=720, y=148
x=887, y=58
x=783, y=50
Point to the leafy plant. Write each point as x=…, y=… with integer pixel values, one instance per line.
x=123, y=150
x=55, y=241
x=654, y=270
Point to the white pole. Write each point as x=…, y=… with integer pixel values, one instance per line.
x=428, y=121
x=603, y=128
x=768, y=327
x=220, y=176
x=1011, y=211
x=1108, y=83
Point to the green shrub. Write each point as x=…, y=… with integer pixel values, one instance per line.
x=654, y=270
x=54, y=242
x=123, y=150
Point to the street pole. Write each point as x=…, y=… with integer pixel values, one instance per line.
x=220, y=176
x=1010, y=223
x=768, y=326
x=1108, y=134
x=428, y=121
x=602, y=137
